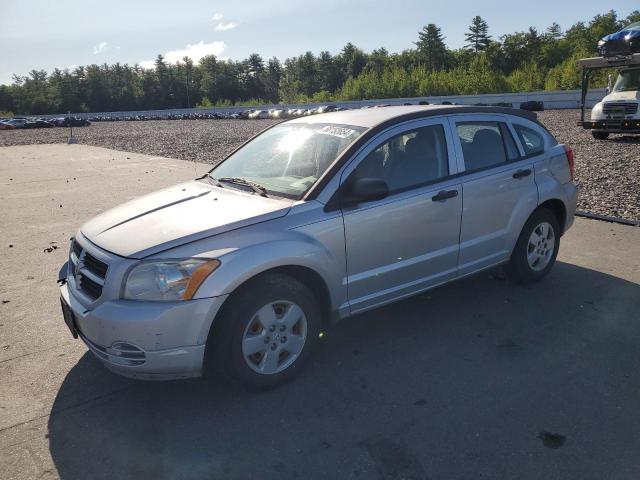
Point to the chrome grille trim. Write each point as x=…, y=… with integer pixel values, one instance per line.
x=89, y=273
x=628, y=108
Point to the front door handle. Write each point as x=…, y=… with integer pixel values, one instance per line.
x=522, y=173
x=444, y=195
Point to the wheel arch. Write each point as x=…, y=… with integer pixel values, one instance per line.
x=309, y=277
x=559, y=210
x=555, y=206
x=303, y=274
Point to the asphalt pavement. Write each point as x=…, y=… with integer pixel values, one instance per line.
x=477, y=379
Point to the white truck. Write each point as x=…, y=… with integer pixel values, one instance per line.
x=619, y=110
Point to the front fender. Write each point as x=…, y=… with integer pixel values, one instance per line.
x=596, y=112
x=294, y=249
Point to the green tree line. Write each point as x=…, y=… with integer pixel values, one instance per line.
x=521, y=61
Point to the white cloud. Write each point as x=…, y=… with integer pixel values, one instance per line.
x=147, y=64
x=194, y=52
x=217, y=16
x=99, y=48
x=225, y=26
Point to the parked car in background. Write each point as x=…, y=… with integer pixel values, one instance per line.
x=326, y=109
x=71, y=122
x=17, y=122
x=317, y=210
x=38, y=123
x=277, y=113
x=5, y=125
x=259, y=114
x=622, y=42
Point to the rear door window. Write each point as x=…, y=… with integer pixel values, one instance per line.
x=485, y=144
x=531, y=141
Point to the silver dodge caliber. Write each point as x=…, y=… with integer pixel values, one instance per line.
x=314, y=220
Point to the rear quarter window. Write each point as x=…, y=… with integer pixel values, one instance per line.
x=532, y=141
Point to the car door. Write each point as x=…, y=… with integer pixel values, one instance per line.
x=407, y=241
x=498, y=189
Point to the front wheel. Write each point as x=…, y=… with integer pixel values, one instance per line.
x=536, y=249
x=267, y=331
x=600, y=135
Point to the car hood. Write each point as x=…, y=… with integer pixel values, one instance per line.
x=616, y=96
x=177, y=215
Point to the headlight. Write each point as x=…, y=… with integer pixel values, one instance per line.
x=601, y=43
x=167, y=280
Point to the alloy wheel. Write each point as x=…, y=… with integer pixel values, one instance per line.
x=540, y=247
x=275, y=337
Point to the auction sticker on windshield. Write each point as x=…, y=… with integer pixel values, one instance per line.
x=335, y=131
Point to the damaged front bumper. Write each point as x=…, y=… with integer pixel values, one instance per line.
x=146, y=340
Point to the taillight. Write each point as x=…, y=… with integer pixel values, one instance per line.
x=569, y=153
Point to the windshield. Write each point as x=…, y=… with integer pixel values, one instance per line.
x=628, y=80
x=633, y=26
x=289, y=158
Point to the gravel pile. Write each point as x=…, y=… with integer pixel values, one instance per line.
x=607, y=172
x=206, y=141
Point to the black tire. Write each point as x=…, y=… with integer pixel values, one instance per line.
x=224, y=345
x=518, y=268
x=600, y=135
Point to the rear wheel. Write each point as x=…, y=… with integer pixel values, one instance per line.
x=267, y=331
x=536, y=249
x=600, y=135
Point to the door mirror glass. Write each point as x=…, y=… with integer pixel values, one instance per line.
x=366, y=189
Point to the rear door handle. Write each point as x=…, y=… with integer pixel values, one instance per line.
x=522, y=173
x=444, y=195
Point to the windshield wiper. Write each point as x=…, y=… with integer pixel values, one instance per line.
x=213, y=179
x=256, y=187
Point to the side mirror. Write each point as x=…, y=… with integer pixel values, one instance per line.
x=365, y=189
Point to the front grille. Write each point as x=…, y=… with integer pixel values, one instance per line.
x=620, y=108
x=88, y=271
x=94, y=265
x=77, y=249
x=91, y=288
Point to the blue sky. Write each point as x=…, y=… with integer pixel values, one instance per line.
x=46, y=34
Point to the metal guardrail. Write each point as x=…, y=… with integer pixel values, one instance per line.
x=562, y=99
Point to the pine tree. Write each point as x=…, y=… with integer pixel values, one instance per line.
x=554, y=31
x=431, y=47
x=478, y=35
